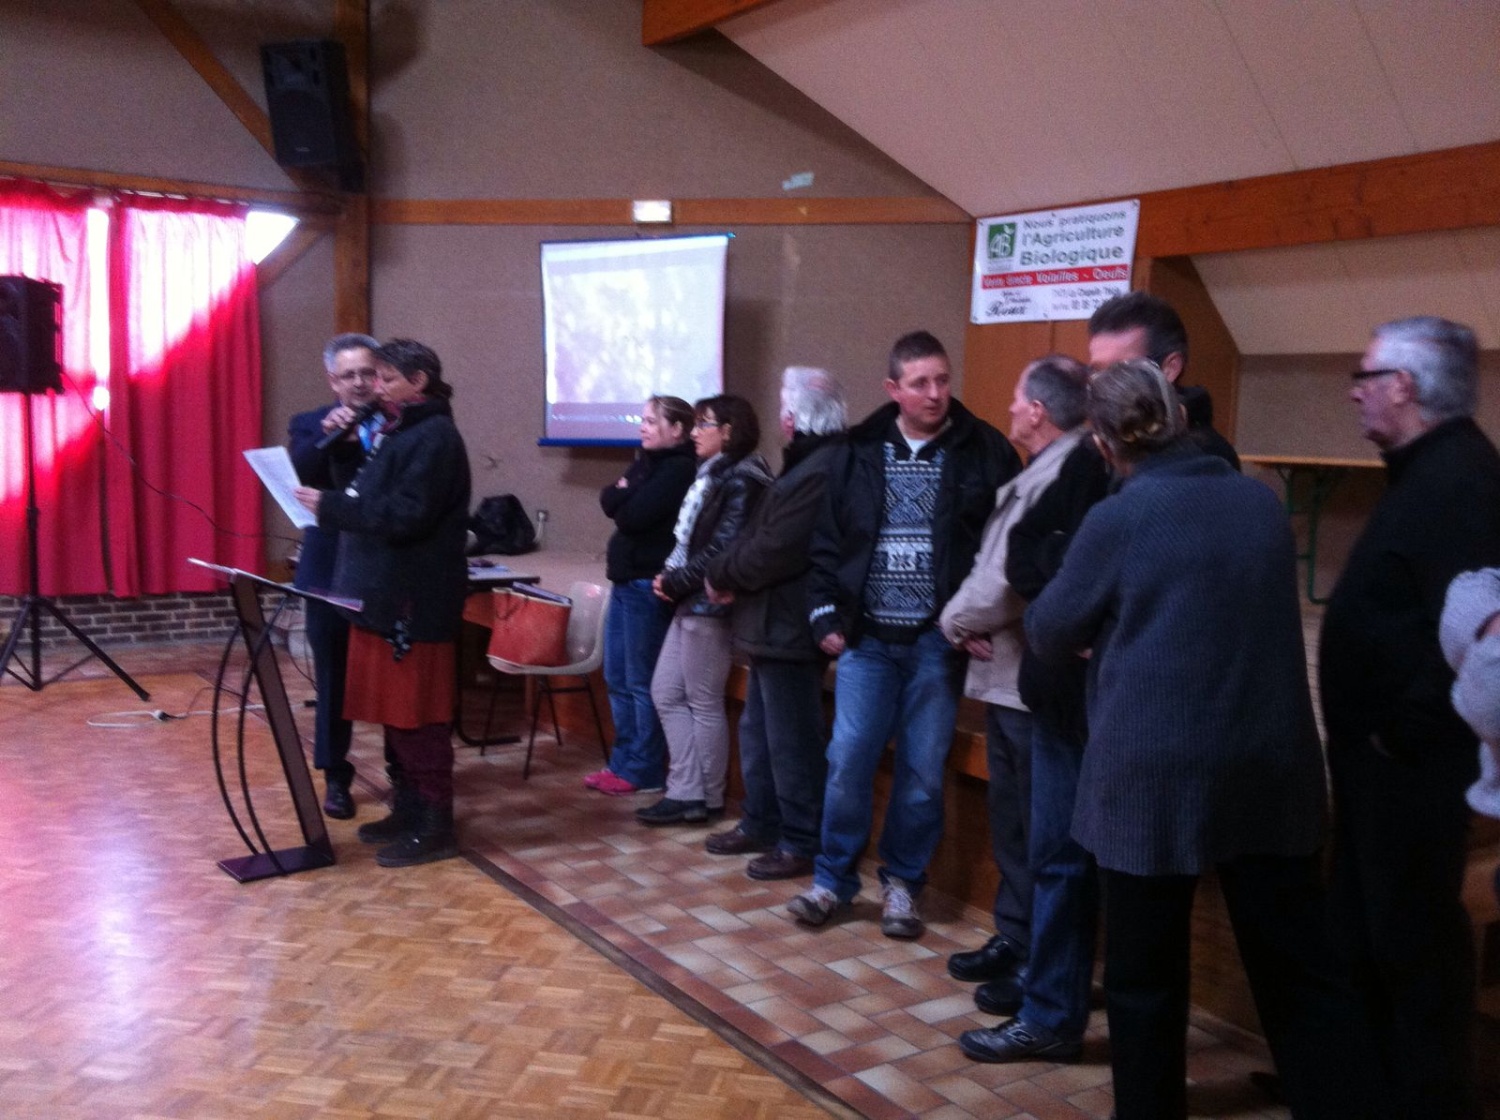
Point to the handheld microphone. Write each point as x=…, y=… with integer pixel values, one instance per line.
x=361, y=414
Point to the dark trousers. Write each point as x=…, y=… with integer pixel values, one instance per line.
x=1007, y=741
x=328, y=639
x=1312, y=1021
x=782, y=754
x=1400, y=846
x=424, y=756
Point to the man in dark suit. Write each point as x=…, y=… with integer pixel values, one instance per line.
x=350, y=363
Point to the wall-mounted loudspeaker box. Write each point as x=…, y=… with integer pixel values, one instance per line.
x=307, y=96
x=30, y=335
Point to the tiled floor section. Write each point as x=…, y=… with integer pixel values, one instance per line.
x=871, y=1019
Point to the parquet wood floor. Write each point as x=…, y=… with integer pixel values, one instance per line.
x=573, y=964
x=137, y=980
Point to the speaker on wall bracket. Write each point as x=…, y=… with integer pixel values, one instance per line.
x=30, y=335
x=307, y=97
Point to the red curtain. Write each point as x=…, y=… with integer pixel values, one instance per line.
x=44, y=235
x=185, y=369
x=127, y=497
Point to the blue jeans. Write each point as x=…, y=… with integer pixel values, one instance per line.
x=782, y=754
x=633, y=633
x=883, y=688
x=1065, y=892
x=1007, y=739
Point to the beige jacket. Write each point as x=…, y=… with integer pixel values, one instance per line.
x=986, y=605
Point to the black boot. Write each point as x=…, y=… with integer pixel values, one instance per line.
x=406, y=813
x=433, y=839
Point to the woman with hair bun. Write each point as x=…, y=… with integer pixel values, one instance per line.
x=1202, y=754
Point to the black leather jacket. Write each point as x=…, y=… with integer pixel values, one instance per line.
x=732, y=496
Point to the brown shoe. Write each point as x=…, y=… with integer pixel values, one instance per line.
x=780, y=864
x=734, y=842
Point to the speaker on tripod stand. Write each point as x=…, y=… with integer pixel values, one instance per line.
x=30, y=339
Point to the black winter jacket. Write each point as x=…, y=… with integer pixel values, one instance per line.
x=1199, y=407
x=645, y=511
x=979, y=461
x=731, y=499
x=767, y=565
x=1054, y=692
x=1381, y=670
x=404, y=522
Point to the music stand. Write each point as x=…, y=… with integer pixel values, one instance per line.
x=33, y=603
x=263, y=862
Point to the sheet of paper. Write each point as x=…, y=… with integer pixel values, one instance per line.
x=274, y=467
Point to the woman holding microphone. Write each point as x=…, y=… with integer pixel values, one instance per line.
x=402, y=523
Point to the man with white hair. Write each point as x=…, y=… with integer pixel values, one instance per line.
x=1400, y=757
x=764, y=572
x=984, y=620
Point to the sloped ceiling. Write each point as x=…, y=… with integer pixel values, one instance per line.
x=1022, y=104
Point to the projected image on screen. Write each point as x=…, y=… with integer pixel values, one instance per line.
x=625, y=320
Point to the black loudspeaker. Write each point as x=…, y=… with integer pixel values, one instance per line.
x=307, y=94
x=30, y=335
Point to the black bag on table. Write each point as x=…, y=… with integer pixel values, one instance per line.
x=500, y=525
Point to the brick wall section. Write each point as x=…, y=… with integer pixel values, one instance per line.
x=153, y=618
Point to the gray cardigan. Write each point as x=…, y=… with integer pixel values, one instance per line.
x=1202, y=745
x=1473, y=599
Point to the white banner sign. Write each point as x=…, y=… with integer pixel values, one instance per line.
x=1052, y=264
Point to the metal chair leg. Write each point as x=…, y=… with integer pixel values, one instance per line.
x=552, y=707
x=536, y=712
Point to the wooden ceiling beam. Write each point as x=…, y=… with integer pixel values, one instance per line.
x=181, y=34
x=292, y=248
x=1457, y=188
x=351, y=238
x=666, y=21
x=686, y=211
x=297, y=203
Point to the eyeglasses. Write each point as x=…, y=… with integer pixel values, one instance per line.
x=705, y=425
x=356, y=375
x=1365, y=374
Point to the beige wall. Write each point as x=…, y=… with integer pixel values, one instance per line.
x=506, y=99
x=1298, y=404
x=560, y=100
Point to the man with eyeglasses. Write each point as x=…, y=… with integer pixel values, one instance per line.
x=349, y=360
x=1400, y=757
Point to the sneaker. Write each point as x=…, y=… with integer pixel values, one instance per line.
x=898, y=911
x=814, y=906
x=614, y=786
x=593, y=780
x=1015, y=1041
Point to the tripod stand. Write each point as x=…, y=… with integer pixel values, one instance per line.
x=33, y=603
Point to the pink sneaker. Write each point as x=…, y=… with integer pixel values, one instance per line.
x=593, y=780
x=614, y=785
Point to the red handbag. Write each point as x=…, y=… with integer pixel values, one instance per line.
x=530, y=626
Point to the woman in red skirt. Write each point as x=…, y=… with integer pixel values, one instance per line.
x=402, y=525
